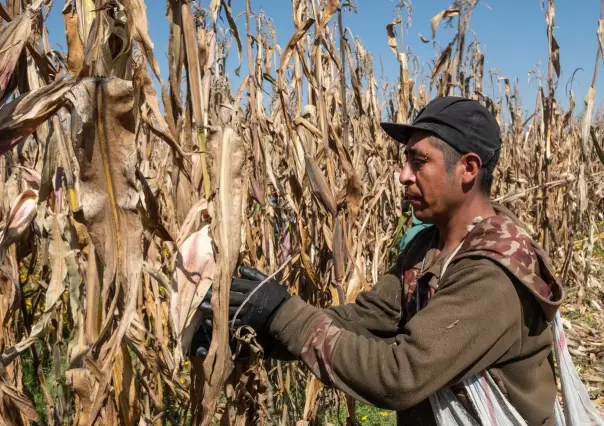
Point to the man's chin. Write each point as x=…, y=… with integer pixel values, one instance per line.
x=422, y=214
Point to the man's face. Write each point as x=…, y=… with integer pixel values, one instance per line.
x=429, y=189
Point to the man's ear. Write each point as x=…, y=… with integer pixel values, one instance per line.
x=471, y=164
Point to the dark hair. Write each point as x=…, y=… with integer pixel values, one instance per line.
x=451, y=156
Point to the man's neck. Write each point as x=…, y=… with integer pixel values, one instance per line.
x=454, y=230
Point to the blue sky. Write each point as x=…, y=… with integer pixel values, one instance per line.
x=513, y=34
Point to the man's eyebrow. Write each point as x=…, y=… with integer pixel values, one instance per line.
x=412, y=152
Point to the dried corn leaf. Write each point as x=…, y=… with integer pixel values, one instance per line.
x=320, y=186
x=58, y=251
x=227, y=158
x=103, y=137
x=235, y=30
x=126, y=388
x=339, y=254
x=57, y=228
x=289, y=50
x=20, y=118
x=597, y=145
x=392, y=36
x=86, y=10
x=192, y=278
x=77, y=344
x=587, y=117
x=330, y=8
x=13, y=37
x=447, y=13
x=193, y=68
x=444, y=59
x=138, y=30
x=18, y=400
x=176, y=57
x=600, y=34
x=148, y=105
x=75, y=45
x=555, y=55
x=553, y=44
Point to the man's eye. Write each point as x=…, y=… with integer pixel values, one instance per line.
x=417, y=162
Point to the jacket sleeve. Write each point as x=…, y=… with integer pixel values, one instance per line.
x=470, y=323
x=375, y=313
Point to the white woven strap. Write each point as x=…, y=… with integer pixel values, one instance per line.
x=492, y=407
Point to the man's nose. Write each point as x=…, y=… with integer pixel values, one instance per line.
x=407, y=177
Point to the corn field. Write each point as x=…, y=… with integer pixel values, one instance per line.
x=122, y=204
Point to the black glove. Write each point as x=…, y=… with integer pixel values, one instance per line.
x=258, y=312
x=263, y=304
x=200, y=344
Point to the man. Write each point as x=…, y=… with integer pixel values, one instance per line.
x=418, y=331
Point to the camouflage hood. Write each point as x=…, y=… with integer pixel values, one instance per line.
x=504, y=239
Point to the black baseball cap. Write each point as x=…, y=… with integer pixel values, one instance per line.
x=463, y=123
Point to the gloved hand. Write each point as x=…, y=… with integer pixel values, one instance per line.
x=202, y=339
x=257, y=313
x=264, y=301
x=200, y=344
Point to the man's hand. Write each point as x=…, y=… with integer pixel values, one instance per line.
x=257, y=312
x=202, y=339
x=264, y=300
x=200, y=344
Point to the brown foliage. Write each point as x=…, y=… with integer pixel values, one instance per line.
x=118, y=217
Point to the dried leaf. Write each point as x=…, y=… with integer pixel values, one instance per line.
x=555, y=56
x=320, y=186
x=19, y=400
x=21, y=117
x=447, y=13
x=138, y=30
x=587, y=117
x=193, y=68
x=339, y=254
x=600, y=34
x=75, y=45
x=330, y=8
x=56, y=226
x=235, y=31
x=59, y=250
x=424, y=39
x=13, y=37
x=227, y=158
x=148, y=104
x=289, y=49
x=103, y=136
x=214, y=5
x=392, y=36
x=597, y=145
x=102, y=133
x=442, y=60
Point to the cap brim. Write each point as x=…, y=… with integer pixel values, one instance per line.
x=402, y=132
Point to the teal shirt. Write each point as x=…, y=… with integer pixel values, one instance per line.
x=416, y=226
